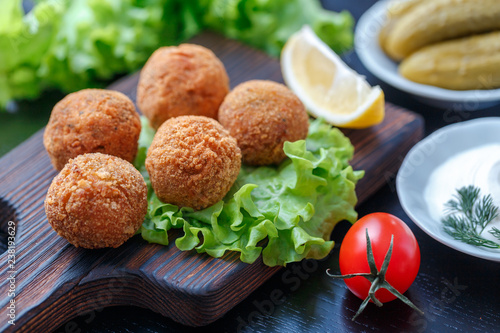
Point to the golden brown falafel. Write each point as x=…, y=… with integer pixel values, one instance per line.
x=181, y=80
x=91, y=121
x=192, y=162
x=97, y=201
x=261, y=116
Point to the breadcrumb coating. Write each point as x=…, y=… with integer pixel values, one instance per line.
x=181, y=80
x=192, y=162
x=262, y=115
x=91, y=121
x=97, y=201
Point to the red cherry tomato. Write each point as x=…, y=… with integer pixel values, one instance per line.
x=405, y=260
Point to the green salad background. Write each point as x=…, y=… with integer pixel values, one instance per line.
x=283, y=213
x=73, y=44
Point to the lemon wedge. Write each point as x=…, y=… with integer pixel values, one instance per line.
x=327, y=86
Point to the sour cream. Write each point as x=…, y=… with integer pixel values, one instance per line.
x=479, y=166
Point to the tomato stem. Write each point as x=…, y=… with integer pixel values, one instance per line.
x=373, y=288
x=376, y=278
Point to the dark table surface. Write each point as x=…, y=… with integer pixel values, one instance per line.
x=458, y=292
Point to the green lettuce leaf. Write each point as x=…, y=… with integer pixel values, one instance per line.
x=283, y=213
x=267, y=24
x=96, y=39
x=70, y=45
x=23, y=43
x=75, y=44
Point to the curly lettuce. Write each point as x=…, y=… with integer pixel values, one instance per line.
x=267, y=24
x=70, y=45
x=283, y=213
x=74, y=44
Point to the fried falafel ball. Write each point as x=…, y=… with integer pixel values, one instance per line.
x=192, y=162
x=92, y=121
x=97, y=201
x=261, y=116
x=181, y=80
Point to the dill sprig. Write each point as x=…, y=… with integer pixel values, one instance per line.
x=495, y=232
x=468, y=214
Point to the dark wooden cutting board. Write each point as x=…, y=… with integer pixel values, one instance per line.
x=54, y=281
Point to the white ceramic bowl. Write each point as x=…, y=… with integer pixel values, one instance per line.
x=425, y=157
x=377, y=62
